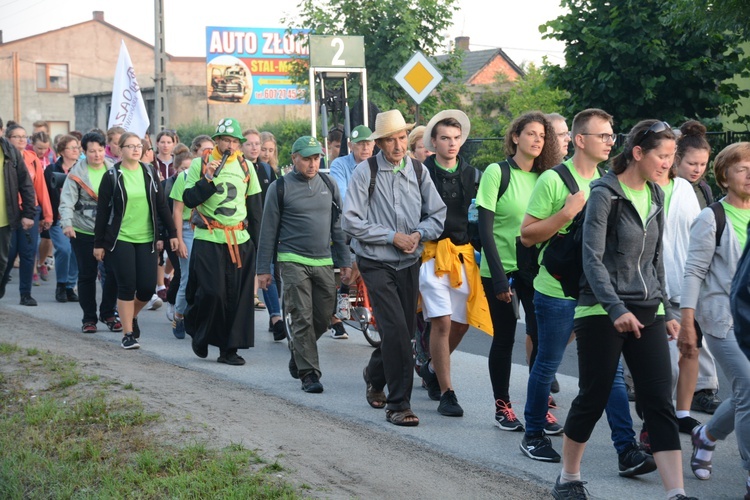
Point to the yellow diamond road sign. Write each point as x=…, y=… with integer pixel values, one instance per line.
x=418, y=77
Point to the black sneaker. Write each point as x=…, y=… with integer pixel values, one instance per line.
x=338, y=331
x=433, y=386
x=231, y=358
x=293, y=371
x=60, y=294
x=505, y=417
x=551, y=427
x=555, y=387
x=129, y=342
x=136, y=329
x=539, y=448
x=635, y=462
x=687, y=424
x=27, y=300
x=573, y=490
x=3, y=284
x=631, y=392
x=705, y=401
x=71, y=295
x=449, y=405
x=279, y=332
x=311, y=384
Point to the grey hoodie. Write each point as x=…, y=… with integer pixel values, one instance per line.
x=624, y=266
x=77, y=207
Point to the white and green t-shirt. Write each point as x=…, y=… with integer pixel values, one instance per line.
x=136, y=226
x=227, y=205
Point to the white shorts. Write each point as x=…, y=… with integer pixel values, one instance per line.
x=439, y=298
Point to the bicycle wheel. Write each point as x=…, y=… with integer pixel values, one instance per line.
x=372, y=336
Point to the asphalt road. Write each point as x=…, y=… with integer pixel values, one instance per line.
x=472, y=438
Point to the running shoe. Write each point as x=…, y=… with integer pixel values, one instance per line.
x=170, y=311
x=35, y=280
x=43, y=272
x=505, y=417
x=705, y=401
x=155, y=303
x=129, y=342
x=572, y=490
x=634, y=462
x=687, y=424
x=551, y=427
x=178, y=328
x=449, y=406
x=539, y=448
x=338, y=331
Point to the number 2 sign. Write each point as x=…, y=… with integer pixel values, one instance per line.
x=337, y=51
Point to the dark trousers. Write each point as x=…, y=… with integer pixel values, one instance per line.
x=88, y=267
x=5, y=233
x=393, y=295
x=220, y=297
x=504, y=323
x=599, y=349
x=134, y=266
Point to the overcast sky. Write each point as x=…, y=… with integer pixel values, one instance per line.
x=510, y=25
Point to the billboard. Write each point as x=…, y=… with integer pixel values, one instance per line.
x=251, y=65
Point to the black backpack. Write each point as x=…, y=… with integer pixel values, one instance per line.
x=373, y=163
x=563, y=255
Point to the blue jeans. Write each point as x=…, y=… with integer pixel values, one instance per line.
x=24, y=245
x=66, y=265
x=554, y=326
x=180, y=304
x=271, y=297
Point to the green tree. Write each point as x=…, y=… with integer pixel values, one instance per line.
x=393, y=30
x=634, y=60
x=716, y=16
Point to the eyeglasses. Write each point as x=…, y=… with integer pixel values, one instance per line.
x=656, y=128
x=604, y=137
x=565, y=134
x=135, y=147
x=73, y=148
x=24, y=137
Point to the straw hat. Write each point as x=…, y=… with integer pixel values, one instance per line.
x=388, y=123
x=457, y=115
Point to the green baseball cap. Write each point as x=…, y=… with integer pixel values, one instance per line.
x=360, y=133
x=229, y=127
x=307, y=146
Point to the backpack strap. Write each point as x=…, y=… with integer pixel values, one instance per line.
x=721, y=220
x=504, y=178
x=564, y=172
x=84, y=186
x=706, y=189
x=373, y=163
x=329, y=183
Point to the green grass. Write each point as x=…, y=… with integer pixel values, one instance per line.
x=78, y=439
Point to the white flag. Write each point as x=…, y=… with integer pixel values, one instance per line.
x=128, y=108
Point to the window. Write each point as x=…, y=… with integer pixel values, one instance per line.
x=52, y=77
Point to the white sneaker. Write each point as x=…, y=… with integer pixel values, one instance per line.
x=155, y=303
x=170, y=311
x=50, y=263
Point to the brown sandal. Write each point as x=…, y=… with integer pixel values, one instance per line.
x=404, y=418
x=376, y=399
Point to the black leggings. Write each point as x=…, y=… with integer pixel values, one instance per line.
x=599, y=349
x=134, y=265
x=88, y=268
x=504, y=326
x=174, y=285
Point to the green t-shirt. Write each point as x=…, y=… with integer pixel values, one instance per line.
x=176, y=194
x=641, y=199
x=509, y=211
x=739, y=217
x=3, y=209
x=547, y=199
x=95, y=178
x=227, y=205
x=136, y=226
x=668, y=190
x=449, y=170
x=305, y=261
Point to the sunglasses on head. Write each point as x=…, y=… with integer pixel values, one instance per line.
x=656, y=128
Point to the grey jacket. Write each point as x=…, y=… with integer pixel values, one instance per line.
x=305, y=226
x=397, y=205
x=77, y=207
x=622, y=266
x=708, y=274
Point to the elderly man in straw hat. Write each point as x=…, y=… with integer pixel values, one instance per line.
x=449, y=281
x=391, y=207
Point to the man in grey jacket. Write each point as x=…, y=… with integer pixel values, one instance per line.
x=391, y=207
x=302, y=215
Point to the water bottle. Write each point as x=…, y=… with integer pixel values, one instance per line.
x=473, y=212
